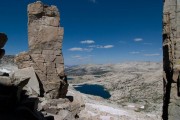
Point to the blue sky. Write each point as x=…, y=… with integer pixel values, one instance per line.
x=96, y=31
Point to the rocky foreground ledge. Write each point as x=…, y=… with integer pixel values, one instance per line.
x=81, y=106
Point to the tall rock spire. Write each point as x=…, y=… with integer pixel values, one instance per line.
x=45, y=49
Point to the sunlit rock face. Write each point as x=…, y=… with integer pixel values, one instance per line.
x=171, y=58
x=45, y=49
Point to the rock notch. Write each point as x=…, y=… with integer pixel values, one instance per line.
x=171, y=59
x=45, y=49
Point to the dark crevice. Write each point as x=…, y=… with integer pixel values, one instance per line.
x=167, y=81
x=178, y=86
x=167, y=91
x=41, y=87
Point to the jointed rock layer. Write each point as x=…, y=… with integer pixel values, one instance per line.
x=45, y=49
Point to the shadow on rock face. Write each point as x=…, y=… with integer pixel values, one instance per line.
x=16, y=105
x=71, y=98
x=2, y=53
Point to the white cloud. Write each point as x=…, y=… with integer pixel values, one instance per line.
x=76, y=49
x=87, y=42
x=109, y=46
x=94, y=1
x=106, y=46
x=151, y=55
x=101, y=46
x=138, y=39
x=134, y=52
x=81, y=49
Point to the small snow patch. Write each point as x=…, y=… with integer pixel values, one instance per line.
x=108, y=109
x=4, y=70
x=142, y=107
x=105, y=117
x=131, y=106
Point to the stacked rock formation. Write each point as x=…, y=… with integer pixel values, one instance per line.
x=15, y=104
x=171, y=58
x=45, y=49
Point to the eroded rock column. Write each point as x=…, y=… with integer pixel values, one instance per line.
x=171, y=59
x=45, y=49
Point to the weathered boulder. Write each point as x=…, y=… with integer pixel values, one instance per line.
x=33, y=84
x=63, y=108
x=45, y=49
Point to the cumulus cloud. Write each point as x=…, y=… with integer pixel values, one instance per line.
x=87, y=42
x=81, y=49
x=138, y=39
x=134, y=52
x=106, y=46
x=101, y=46
x=76, y=49
x=151, y=55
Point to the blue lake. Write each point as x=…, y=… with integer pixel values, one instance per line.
x=96, y=90
x=70, y=78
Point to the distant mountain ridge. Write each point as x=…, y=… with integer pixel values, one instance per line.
x=100, y=69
